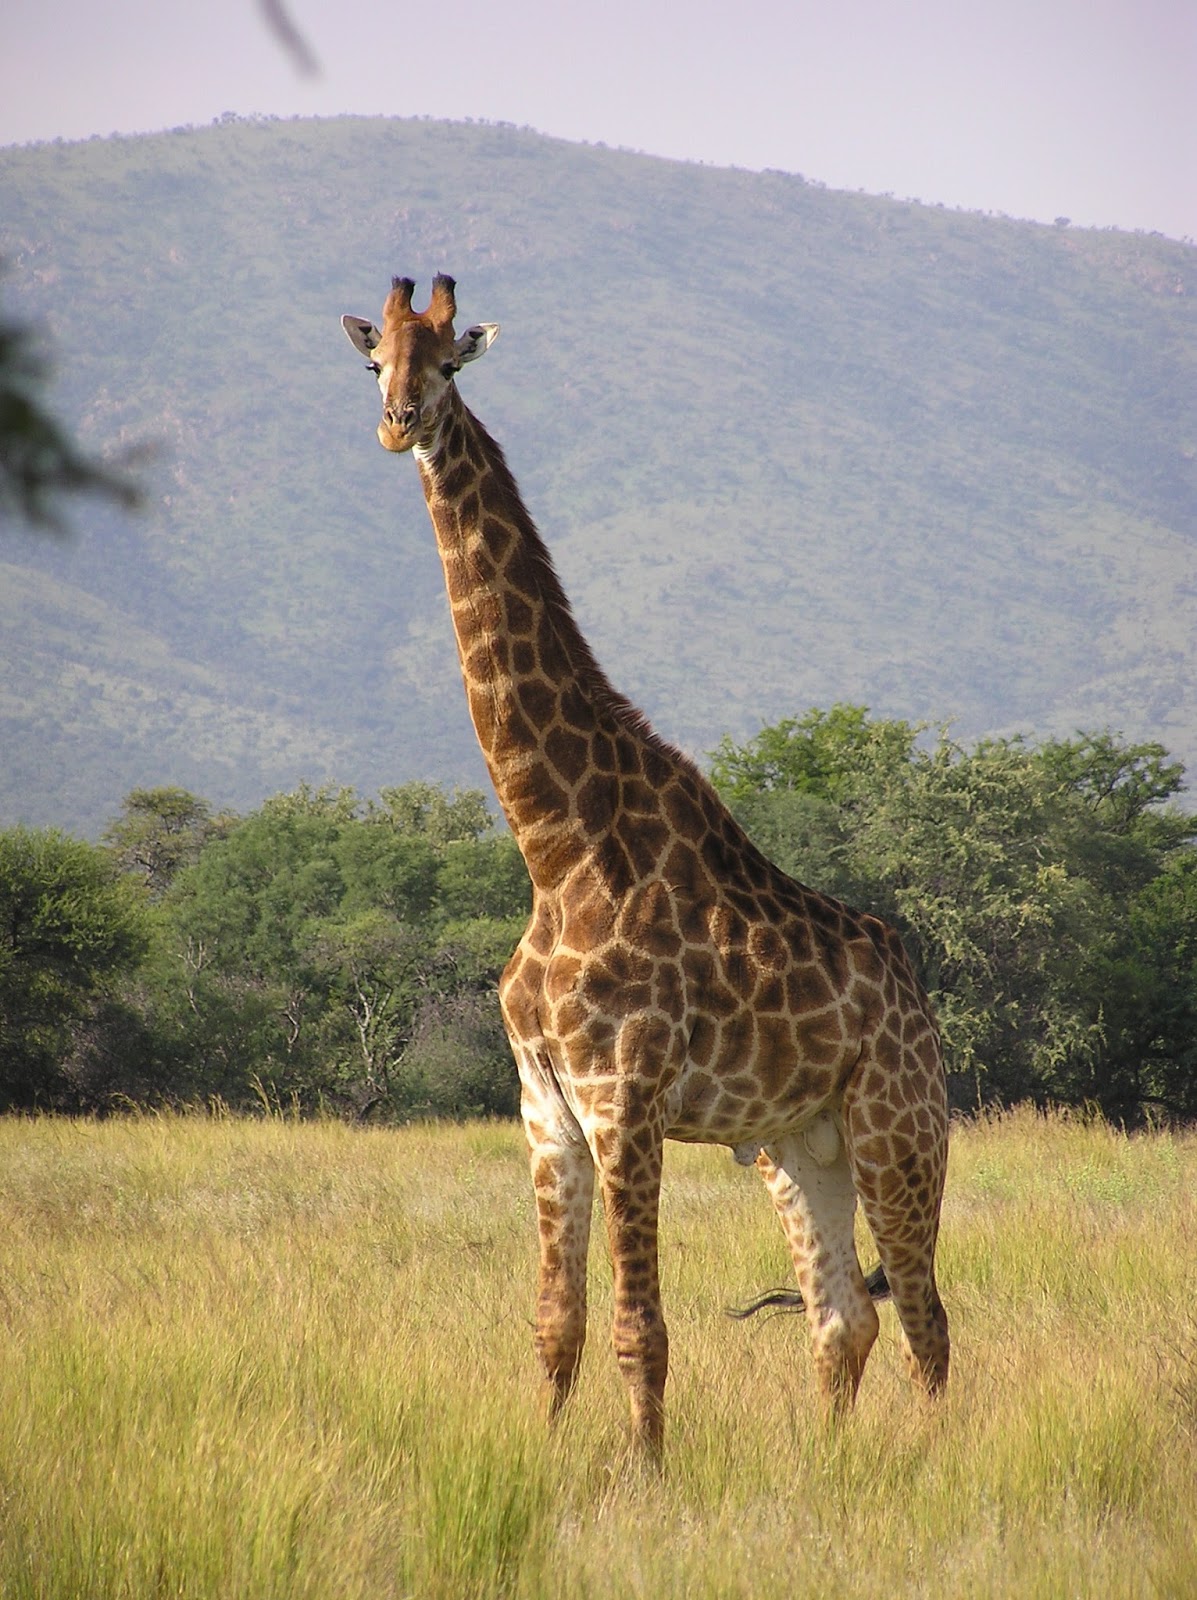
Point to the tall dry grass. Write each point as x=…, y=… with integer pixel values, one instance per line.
x=268, y=1359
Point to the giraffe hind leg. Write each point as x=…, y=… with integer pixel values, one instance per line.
x=813, y=1194
x=563, y=1182
x=899, y=1176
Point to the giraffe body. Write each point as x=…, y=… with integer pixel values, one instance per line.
x=672, y=982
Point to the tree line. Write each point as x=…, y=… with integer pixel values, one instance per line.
x=325, y=951
x=320, y=951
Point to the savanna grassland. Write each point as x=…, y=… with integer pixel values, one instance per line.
x=272, y=1358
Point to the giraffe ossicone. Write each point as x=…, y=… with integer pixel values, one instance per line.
x=671, y=982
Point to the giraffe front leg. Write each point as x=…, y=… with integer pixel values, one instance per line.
x=629, y=1163
x=563, y=1181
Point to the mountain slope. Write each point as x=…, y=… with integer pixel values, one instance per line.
x=788, y=446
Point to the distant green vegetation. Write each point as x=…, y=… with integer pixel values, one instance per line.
x=329, y=952
x=788, y=446
x=319, y=952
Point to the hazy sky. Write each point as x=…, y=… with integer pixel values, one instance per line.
x=1038, y=108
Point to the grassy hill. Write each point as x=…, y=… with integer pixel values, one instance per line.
x=789, y=446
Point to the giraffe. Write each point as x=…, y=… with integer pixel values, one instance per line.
x=671, y=981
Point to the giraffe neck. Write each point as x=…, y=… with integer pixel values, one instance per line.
x=549, y=723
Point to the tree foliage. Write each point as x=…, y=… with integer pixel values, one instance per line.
x=325, y=950
x=161, y=831
x=301, y=953
x=70, y=927
x=1044, y=891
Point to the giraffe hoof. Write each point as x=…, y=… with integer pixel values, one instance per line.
x=746, y=1154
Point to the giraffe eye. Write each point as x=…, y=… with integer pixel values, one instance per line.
x=372, y=366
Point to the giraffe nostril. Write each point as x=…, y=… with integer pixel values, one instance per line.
x=405, y=417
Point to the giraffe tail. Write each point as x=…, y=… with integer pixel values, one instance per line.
x=790, y=1300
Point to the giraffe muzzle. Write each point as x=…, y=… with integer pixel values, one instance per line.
x=390, y=438
x=400, y=424
x=397, y=430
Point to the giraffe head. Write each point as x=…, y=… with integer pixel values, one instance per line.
x=415, y=357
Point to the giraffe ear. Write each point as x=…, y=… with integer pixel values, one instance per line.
x=475, y=342
x=363, y=335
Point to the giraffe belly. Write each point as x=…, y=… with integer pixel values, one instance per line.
x=751, y=1104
